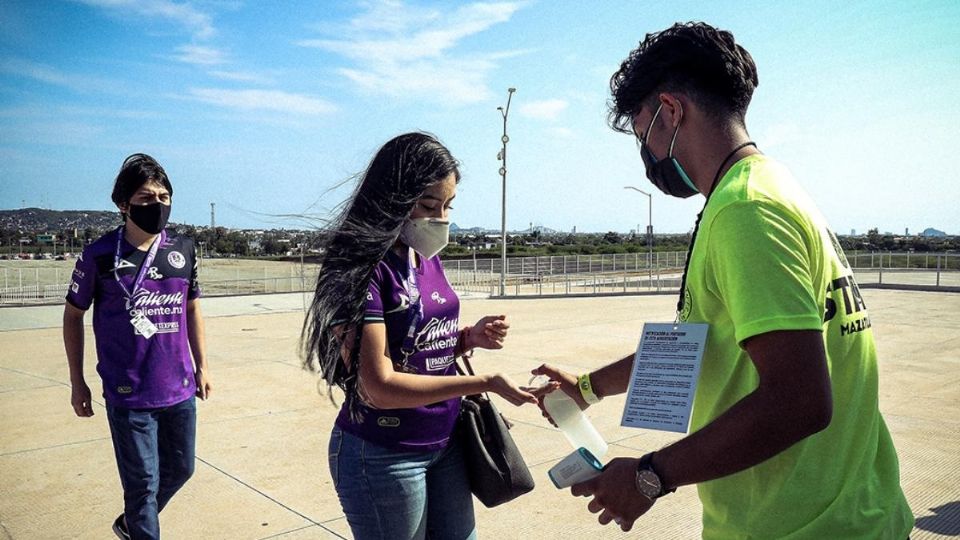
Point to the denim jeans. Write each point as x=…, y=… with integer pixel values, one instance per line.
x=155, y=457
x=399, y=495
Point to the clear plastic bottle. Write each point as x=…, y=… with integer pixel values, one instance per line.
x=573, y=423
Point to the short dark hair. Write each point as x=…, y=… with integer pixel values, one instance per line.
x=694, y=58
x=137, y=170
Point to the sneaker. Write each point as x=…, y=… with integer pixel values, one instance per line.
x=120, y=528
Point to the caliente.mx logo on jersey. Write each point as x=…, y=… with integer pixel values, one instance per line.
x=144, y=299
x=438, y=334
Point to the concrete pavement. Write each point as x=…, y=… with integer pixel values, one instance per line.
x=262, y=473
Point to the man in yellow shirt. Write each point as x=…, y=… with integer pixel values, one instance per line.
x=787, y=440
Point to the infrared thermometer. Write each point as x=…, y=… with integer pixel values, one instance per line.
x=579, y=466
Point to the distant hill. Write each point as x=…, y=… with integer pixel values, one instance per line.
x=38, y=219
x=931, y=232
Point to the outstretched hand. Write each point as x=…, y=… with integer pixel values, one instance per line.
x=488, y=333
x=503, y=386
x=559, y=380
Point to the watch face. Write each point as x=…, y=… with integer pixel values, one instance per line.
x=648, y=483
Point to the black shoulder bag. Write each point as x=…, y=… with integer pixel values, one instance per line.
x=495, y=467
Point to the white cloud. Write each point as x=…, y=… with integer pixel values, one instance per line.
x=548, y=109
x=197, y=23
x=400, y=50
x=267, y=100
x=50, y=75
x=200, y=55
x=243, y=76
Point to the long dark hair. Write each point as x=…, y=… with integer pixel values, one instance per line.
x=356, y=241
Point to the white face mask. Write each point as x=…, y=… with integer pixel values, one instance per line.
x=427, y=236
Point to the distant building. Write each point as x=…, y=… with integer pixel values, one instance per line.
x=931, y=232
x=46, y=239
x=853, y=232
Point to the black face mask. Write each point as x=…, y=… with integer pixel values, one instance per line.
x=666, y=174
x=152, y=218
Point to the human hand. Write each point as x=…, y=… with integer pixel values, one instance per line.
x=81, y=400
x=203, y=384
x=566, y=382
x=615, y=494
x=504, y=387
x=488, y=333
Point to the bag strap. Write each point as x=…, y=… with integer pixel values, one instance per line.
x=469, y=371
x=466, y=362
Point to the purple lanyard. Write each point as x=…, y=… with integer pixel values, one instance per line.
x=144, y=266
x=413, y=289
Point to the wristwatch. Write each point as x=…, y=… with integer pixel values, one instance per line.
x=648, y=481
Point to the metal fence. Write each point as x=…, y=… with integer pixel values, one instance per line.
x=46, y=282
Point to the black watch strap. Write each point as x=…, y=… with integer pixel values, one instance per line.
x=646, y=463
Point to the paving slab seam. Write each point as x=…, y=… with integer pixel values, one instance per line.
x=58, y=385
x=284, y=533
x=41, y=377
x=28, y=450
x=264, y=495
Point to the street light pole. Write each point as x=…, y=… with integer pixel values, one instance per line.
x=649, y=233
x=502, y=156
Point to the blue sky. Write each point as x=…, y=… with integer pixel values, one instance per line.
x=265, y=107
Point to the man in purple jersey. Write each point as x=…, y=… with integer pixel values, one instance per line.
x=142, y=284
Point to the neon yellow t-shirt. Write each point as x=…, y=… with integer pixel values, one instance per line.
x=764, y=260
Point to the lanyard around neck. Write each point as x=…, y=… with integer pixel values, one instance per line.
x=144, y=266
x=696, y=226
x=416, y=307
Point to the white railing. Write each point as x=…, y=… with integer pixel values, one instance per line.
x=620, y=273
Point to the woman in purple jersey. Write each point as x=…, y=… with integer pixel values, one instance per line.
x=384, y=327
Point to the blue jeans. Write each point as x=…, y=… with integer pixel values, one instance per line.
x=155, y=457
x=399, y=495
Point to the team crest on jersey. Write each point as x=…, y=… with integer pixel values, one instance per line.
x=176, y=259
x=437, y=298
x=687, y=304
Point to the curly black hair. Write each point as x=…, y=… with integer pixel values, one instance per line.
x=693, y=58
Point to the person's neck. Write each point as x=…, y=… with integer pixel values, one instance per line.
x=717, y=147
x=138, y=237
x=403, y=251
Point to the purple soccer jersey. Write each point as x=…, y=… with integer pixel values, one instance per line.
x=428, y=427
x=139, y=372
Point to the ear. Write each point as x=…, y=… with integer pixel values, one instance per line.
x=124, y=207
x=672, y=111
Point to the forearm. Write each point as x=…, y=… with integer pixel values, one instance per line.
x=756, y=428
x=613, y=378
x=398, y=390
x=73, y=345
x=196, y=335
x=463, y=346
